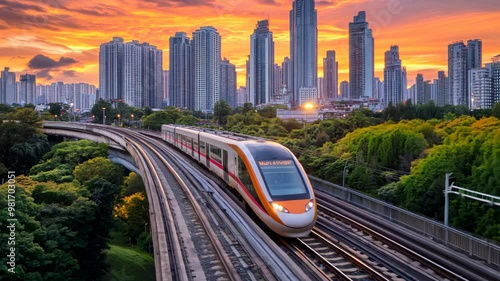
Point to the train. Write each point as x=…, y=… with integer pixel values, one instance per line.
x=266, y=175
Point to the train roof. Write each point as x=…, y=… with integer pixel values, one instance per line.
x=225, y=134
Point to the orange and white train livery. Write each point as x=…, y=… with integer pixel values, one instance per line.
x=265, y=174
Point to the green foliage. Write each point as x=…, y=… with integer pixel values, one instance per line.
x=188, y=120
x=392, y=146
x=391, y=193
x=5, y=108
x=58, y=175
x=28, y=117
x=97, y=111
x=98, y=167
x=70, y=153
x=247, y=106
x=26, y=154
x=495, y=111
x=51, y=193
x=20, y=145
x=133, y=184
x=221, y=112
x=155, y=120
x=147, y=111
x=472, y=152
x=269, y=111
x=62, y=229
x=134, y=212
x=55, y=108
x=129, y=264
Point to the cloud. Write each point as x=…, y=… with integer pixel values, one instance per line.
x=45, y=74
x=181, y=3
x=43, y=62
x=268, y=2
x=324, y=3
x=11, y=5
x=69, y=73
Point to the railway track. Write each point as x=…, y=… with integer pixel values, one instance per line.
x=336, y=261
x=396, y=249
x=187, y=227
x=222, y=248
x=206, y=237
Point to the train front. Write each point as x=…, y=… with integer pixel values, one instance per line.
x=289, y=194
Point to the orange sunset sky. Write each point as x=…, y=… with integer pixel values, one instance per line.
x=64, y=36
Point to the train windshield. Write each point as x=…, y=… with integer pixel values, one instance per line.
x=281, y=175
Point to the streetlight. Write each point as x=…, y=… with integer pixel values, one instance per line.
x=104, y=115
x=70, y=110
x=118, y=115
x=132, y=116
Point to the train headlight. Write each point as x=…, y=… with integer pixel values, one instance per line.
x=310, y=205
x=280, y=208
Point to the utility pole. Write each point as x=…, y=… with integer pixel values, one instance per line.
x=104, y=115
x=464, y=192
x=446, y=199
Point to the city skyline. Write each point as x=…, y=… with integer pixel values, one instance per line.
x=62, y=41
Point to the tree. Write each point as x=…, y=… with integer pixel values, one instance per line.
x=26, y=154
x=66, y=155
x=247, y=106
x=188, y=120
x=97, y=111
x=98, y=167
x=221, y=112
x=28, y=117
x=155, y=120
x=147, y=111
x=496, y=110
x=133, y=184
x=55, y=109
x=134, y=212
x=5, y=108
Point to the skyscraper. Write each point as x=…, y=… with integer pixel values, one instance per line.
x=474, y=54
x=166, y=87
x=494, y=69
x=480, y=88
x=393, y=78
x=277, y=80
x=419, y=94
x=152, y=60
x=457, y=73
x=207, y=56
x=303, y=47
x=111, y=69
x=132, y=74
x=286, y=72
x=27, y=92
x=321, y=91
x=181, y=72
x=261, y=64
x=378, y=89
x=8, y=91
x=330, y=76
x=344, y=90
x=442, y=88
x=228, y=83
x=361, y=58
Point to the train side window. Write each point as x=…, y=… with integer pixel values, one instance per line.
x=246, y=180
x=216, y=153
x=202, y=146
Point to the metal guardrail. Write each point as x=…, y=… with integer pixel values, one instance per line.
x=473, y=246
